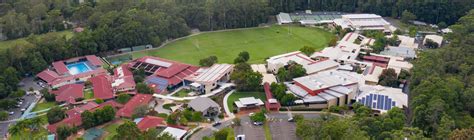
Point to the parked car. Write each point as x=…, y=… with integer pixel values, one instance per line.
x=11, y=113
x=240, y=137
x=251, y=114
x=291, y=120
x=258, y=123
x=216, y=124
x=23, y=109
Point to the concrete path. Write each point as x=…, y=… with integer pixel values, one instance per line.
x=226, y=107
x=223, y=86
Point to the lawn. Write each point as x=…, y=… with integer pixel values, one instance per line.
x=236, y=95
x=112, y=130
x=182, y=93
x=88, y=94
x=22, y=41
x=261, y=43
x=43, y=105
x=268, y=134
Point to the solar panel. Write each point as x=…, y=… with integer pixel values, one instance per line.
x=373, y=105
x=389, y=104
x=386, y=103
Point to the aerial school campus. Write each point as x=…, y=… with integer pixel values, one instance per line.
x=182, y=91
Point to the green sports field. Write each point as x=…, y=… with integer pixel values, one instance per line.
x=261, y=43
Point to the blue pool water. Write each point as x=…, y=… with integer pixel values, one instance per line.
x=77, y=68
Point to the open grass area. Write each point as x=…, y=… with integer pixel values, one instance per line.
x=22, y=41
x=182, y=93
x=43, y=105
x=236, y=95
x=88, y=94
x=261, y=43
x=112, y=130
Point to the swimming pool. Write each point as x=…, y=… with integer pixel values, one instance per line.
x=77, y=68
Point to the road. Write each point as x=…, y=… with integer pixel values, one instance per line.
x=28, y=99
x=253, y=131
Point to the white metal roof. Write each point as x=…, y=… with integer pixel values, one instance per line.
x=158, y=62
x=211, y=74
x=175, y=132
x=328, y=79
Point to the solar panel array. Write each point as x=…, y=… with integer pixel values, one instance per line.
x=160, y=83
x=375, y=101
x=150, y=68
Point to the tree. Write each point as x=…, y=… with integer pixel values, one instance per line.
x=140, y=111
x=139, y=75
x=123, y=98
x=63, y=132
x=245, y=79
x=445, y=127
x=28, y=128
x=55, y=114
x=99, y=101
x=407, y=16
x=221, y=134
x=288, y=99
x=295, y=70
x=308, y=50
x=88, y=119
x=462, y=134
x=333, y=42
x=172, y=118
x=258, y=117
x=128, y=131
x=3, y=115
x=282, y=74
x=431, y=44
x=389, y=78
x=245, y=55
x=197, y=117
x=442, y=25
x=144, y=89
x=48, y=96
x=208, y=61
x=236, y=121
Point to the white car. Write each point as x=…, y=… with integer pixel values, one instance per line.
x=240, y=137
x=11, y=113
x=23, y=109
x=251, y=114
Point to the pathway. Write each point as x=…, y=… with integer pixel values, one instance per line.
x=223, y=86
x=226, y=106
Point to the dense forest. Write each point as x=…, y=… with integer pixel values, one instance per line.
x=442, y=87
x=431, y=11
x=442, y=91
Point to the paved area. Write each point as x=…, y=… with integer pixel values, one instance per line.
x=28, y=100
x=208, y=130
x=281, y=129
x=159, y=108
x=250, y=131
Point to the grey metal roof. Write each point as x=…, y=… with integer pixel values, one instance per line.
x=202, y=104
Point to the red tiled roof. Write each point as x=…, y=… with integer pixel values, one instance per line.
x=94, y=60
x=127, y=76
x=78, y=110
x=150, y=122
x=48, y=75
x=137, y=100
x=98, y=71
x=269, y=95
x=66, y=92
x=102, y=87
x=60, y=67
x=111, y=103
x=70, y=121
